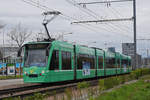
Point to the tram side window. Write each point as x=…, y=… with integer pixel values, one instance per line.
x=92, y=62
x=114, y=62
x=100, y=62
x=79, y=62
x=81, y=59
x=66, y=60
x=124, y=63
x=54, y=65
x=107, y=63
x=110, y=63
x=129, y=63
x=118, y=62
x=85, y=58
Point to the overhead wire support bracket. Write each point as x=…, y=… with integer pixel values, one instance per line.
x=104, y=2
x=105, y=20
x=144, y=39
x=52, y=13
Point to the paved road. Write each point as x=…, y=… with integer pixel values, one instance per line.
x=10, y=82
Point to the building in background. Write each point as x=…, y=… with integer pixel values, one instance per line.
x=9, y=50
x=146, y=62
x=111, y=49
x=128, y=49
x=139, y=61
x=9, y=62
x=9, y=53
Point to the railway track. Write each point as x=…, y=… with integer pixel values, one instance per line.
x=12, y=91
x=38, y=88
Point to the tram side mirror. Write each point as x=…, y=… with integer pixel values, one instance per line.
x=20, y=51
x=47, y=52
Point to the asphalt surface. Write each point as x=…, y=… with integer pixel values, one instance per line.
x=10, y=82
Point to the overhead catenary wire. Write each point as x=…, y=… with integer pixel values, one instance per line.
x=118, y=15
x=112, y=26
x=45, y=8
x=86, y=9
x=33, y=3
x=106, y=1
x=125, y=28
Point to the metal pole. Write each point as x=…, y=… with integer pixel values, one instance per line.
x=20, y=65
x=3, y=66
x=15, y=67
x=147, y=53
x=3, y=54
x=134, y=16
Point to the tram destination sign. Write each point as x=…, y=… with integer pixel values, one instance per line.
x=37, y=46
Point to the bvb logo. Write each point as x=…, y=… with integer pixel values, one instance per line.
x=31, y=71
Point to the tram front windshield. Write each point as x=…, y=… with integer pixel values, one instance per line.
x=36, y=55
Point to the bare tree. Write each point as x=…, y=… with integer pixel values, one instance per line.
x=1, y=25
x=19, y=34
x=39, y=36
x=1, y=55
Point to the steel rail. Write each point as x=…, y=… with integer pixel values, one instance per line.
x=58, y=87
x=41, y=88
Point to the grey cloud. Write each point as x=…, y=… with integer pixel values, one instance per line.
x=14, y=11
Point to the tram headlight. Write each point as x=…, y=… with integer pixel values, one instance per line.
x=25, y=72
x=43, y=71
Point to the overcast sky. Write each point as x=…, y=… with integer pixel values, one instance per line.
x=13, y=12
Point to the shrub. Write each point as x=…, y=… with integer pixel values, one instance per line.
x=29, y=98
x=136, y=73
x=11, y=98
x=101, y=84
x=82, y=85
x=113, y=81
x=122, y=79
x=116, y=81
x=10, y=77
x=132, y=76
x=145, y=71
x=38, y=96
x=109, y=82
x=68, y=93
x=139, y=72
